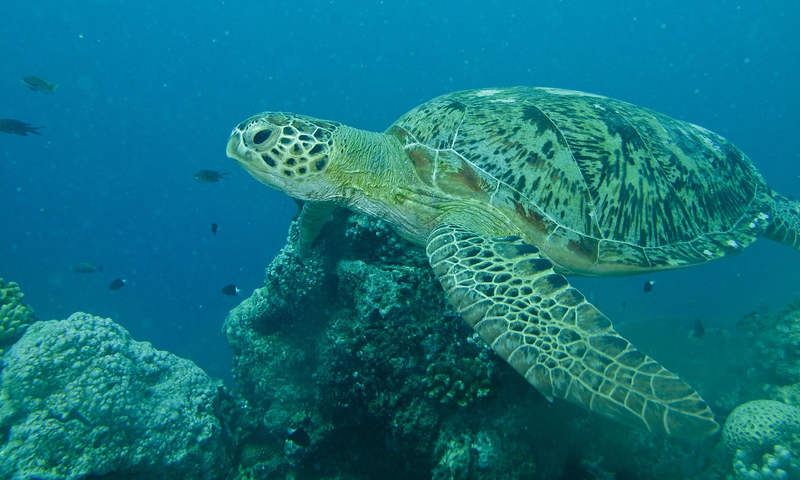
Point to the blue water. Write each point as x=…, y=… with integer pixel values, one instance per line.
x=149, y=92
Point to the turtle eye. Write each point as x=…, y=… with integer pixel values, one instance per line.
x=262, y=136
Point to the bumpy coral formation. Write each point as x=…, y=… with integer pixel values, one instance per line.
x=759, y=425
x=773, y=357
x=15, y=316
x=764, y=431
x=358, y=347
x=780, y=464
x=81, y=398
x=770, y=430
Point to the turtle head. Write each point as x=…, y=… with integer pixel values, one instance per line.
x=288, y=152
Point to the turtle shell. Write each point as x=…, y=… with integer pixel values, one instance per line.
x=603, y=186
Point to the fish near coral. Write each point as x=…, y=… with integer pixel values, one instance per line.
x=231, y=290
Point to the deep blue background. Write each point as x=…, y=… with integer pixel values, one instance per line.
x=149, y=92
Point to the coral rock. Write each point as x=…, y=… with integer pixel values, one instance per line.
x=80, y=398
x=15, y=316
x=756, y=427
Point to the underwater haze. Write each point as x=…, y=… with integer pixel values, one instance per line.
x=149, y=92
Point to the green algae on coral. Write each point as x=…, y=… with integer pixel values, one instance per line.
x=15, y=316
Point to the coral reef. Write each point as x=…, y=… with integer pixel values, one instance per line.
x=780, y=464
x=760, y=424
x=773, y=359
x=765, y=432
x=764, y=435
x=80, y=398
x=357, y=347
x=15, y=316
x=352, y=364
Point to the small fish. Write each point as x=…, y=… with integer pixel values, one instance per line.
x=210, y=176
x=648, y=286
x=116, y=284
x=391, y=441
x=86, y=268
x=39, y=84
x=299, y=437
x=751, y=317
x=214, y=228
x=230, y=290
x=699, y=329
x=624, y=304
x=9, y=125
x=75, y=414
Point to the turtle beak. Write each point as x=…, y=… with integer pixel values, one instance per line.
x=239, y=152
x=251, y=161
x=236, y=149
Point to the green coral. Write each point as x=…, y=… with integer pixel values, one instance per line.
x=463, y=454
x=15, y=316
x=80, y=398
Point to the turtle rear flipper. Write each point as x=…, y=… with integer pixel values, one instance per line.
x=507, y=291
x=785, y=225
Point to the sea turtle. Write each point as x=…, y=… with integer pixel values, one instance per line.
x=509, y=189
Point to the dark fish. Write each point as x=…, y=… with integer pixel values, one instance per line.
x=75, y=414
x=9, y=125
x=210, y=176
x=86, y=268
x=38, y=84
x=116, y=284
x=648, y=286
x=214, y=228
x=752, y=316
x=230, y=290
x=624, y=304
x=699, y=329
x=299, y=437
x=391, y=442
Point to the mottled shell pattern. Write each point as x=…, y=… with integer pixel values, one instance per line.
x=615, y=186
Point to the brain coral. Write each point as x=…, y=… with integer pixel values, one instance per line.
x=15, y=316
x=756, y=427
x=81, y=398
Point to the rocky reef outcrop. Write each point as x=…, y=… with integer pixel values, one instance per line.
x=354, y=365
x=81, y=399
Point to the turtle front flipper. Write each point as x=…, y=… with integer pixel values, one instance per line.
x=312, y=218
x=508, y=292
x=785, y=224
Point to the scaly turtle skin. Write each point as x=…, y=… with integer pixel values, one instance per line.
x=510, y=188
